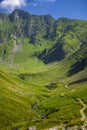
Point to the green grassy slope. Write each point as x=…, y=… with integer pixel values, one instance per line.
x=54, y=91
x=33, y=93
x=25, y=104
x=16, y=98
x=62, y=106
x=72, y=66
x=68, y=36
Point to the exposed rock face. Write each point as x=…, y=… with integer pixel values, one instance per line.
x=23, y=24
x=1, y=60
x=65, y=35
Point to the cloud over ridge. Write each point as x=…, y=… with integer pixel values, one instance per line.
x=12, y=4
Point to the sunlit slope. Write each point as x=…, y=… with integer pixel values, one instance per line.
x=73, y=67
x=49, y=97
x=66, y=82
x=16, y=98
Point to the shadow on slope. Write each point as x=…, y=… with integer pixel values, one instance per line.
x=79, y=81
x=78, y=66
x=56, y=53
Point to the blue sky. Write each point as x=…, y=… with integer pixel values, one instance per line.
x=76, y=9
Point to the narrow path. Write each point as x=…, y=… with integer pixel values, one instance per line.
x=83, y=118
x=66, y=86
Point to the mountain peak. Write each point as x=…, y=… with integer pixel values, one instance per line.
x=20, y=11
x=19, y=14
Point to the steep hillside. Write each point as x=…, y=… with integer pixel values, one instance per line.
x=53, y=39
x=16, y=100
x=43, y=79
x=22, y=28
x=68, y=35
x=73, y=66
x=50, y=100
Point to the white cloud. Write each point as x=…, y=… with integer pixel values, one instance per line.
x=36, y=2
x=12, y=4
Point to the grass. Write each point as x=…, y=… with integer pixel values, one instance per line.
x=33, y=93
x=41, y=95
x=26, y=101
x=15, y=99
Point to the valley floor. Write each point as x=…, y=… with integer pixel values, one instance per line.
x=43, y=100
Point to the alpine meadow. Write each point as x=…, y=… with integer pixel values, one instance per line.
x=43, y=72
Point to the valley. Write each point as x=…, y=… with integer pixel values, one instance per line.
x=43, y=72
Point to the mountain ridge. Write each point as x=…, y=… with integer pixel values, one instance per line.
x=62, y=33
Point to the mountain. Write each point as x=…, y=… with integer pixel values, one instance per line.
x=20, y=25
x=30, y=25
x=43, y=65
x=62, y=34
x=69, y=35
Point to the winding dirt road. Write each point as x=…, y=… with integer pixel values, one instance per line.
x=83, y=118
